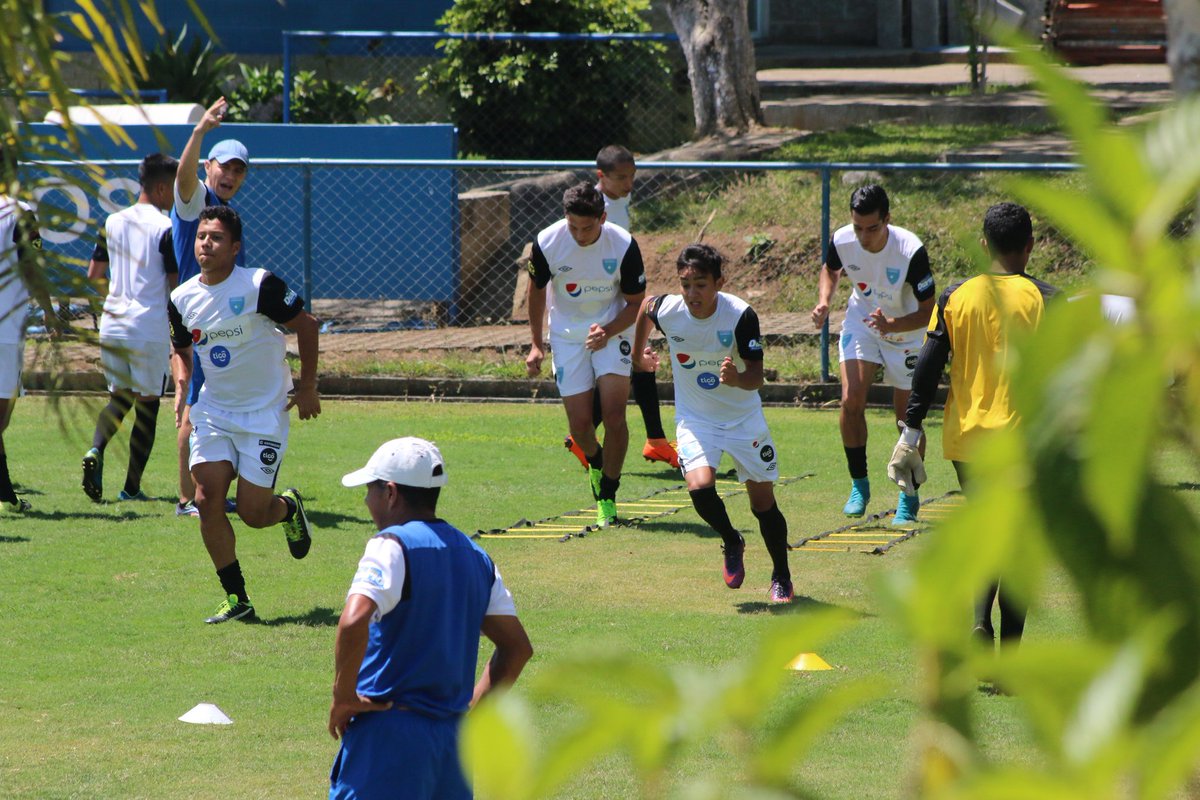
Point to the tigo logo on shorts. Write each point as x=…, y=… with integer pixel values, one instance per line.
x=268, y=455
x=626, y=347
x=767, y=453
x=219, y=356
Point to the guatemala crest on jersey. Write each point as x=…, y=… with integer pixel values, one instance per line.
x=237, y=304
x=610, y=265
x=725, y=338
x=893, y=274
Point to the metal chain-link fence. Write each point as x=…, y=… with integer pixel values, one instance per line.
x=377, y=245
x=512, y=95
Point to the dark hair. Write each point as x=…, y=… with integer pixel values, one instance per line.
x=156, y=169
x=703, y=258
x=869, y=199
x=1008, y=228
x=583, y=200
x=613, y=156
x=418, y=497
x=227, y=217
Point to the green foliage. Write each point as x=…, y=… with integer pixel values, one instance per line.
x=543, y=100
x=259, y=98
x=189, y=69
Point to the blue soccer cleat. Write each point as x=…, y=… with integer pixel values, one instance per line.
x=906, y=509
x=860, y=495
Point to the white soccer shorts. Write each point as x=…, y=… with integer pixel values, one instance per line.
x=12, y=358
x=255, y=442
x=576, y=368
x=897, y=355
x=141, y=367
x=749, y=445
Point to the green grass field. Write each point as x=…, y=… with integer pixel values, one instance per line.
x=104, y=647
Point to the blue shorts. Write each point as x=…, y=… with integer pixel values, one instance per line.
x=398, y=755
x=197, y=380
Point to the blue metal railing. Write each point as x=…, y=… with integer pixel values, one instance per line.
x=822, y=168
x=434, y=36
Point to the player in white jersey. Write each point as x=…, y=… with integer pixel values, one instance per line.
x=717, y=365
x=227, y=315
x=597, y=282
x=18, y=238
x=892, y=296
x=136, y=253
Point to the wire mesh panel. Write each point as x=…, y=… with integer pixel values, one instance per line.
x=395, y=244
x=512, y=95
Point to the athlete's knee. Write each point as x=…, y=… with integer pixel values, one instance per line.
x=854, y=405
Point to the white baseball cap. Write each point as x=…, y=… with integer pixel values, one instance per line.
x=408, y=461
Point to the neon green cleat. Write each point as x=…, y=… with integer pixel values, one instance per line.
x=296, y=528
x=594, y=476
x=232, y=609
x=606, y=513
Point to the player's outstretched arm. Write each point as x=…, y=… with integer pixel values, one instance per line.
x=513, y=651
x=349, y=647
x=186, y=179
x=643, y=357
x=305, y=398
x=537, y=320
x=826, y=284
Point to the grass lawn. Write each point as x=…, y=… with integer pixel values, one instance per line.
x=104, y=647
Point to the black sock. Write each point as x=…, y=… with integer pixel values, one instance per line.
x=596, y=459
x=856, y=460
x=774, y=532
x=291, y=508
x=608, y=488
x=1012, y=618
x=597, y=417
x=983, y=608
x=119, y=403
x=711, y=508
x=141, y=442
x=233, y=582
x=7, y=494
x=645, y=394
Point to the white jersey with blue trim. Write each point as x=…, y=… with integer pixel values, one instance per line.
x=698, y=347
x=588, y=284
x=135, y=239
x=14, y=297
x=895, y=279
x=231, y=327
x=616, y=211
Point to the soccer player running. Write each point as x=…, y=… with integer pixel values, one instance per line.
x=890, y=302
x=598, y=281
x=408, y=638
x=717, y=364
x=19, y=238
x=974, y=320
x=224, y=173
x=134, y=265
x=615, y=169
x=227, y=315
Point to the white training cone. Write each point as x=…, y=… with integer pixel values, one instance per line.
x=206, y=714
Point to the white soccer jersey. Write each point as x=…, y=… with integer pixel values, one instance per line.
x=587, y=283
x=698, y=346
x=617, y=210
x=137, y=246
x=231, y=326
x=895, y=279
x=14, y=297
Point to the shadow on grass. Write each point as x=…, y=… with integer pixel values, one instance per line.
x=1187, y=487
x=319, y=617
x=13, y=539
x=328, y=519
x=800, y=603
x=675, y=527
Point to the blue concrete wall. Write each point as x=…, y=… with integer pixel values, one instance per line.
x=256, y=26
x=374, y=232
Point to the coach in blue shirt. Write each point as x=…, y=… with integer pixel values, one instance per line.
x=408, y=638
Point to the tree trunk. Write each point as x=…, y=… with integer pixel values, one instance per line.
x=1183, y=45
x=715, y=37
